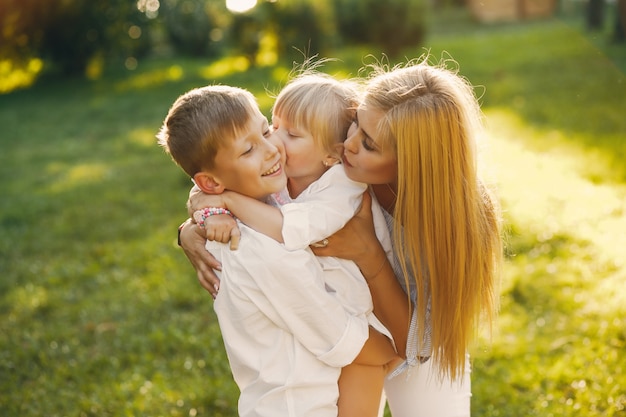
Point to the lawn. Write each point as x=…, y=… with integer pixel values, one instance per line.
x=101, y=314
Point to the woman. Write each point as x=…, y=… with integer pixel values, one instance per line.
x=414, y=142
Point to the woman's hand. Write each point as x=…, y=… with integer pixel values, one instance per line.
x=192, y=241
x=357, y=240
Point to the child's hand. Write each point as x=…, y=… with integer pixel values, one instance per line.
x=221, y=228
x=198, y=200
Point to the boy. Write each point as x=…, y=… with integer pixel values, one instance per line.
x=286, y=337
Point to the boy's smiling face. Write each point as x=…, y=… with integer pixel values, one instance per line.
x=252, y=163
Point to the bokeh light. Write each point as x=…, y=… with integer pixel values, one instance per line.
x=240, y=6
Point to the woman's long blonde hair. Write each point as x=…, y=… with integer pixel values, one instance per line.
x=447, y=229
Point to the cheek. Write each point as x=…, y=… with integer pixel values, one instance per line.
x=378, y=171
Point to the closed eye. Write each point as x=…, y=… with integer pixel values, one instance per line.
x=248, y=151
x=366, y=142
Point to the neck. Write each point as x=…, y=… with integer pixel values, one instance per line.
x=386, y=195
x=295, y=186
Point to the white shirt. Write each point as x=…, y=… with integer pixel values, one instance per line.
x=319, y=211
x=286, y=337
x=322, y=209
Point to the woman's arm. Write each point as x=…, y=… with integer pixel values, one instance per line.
x=357, y=241
x=192, y=240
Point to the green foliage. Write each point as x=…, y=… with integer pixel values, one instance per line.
x=392, y=25
x=296, y=27
x=101, y=314
x=70, y=34
x=188, y=24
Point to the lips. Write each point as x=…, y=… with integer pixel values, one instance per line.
x=346, y=162
x=272, y=170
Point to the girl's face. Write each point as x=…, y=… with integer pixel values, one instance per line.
x=364, y=159
x=304, y=161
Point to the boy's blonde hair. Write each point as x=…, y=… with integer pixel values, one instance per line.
x=201, y=121
x=321, y=105
x=447, y=228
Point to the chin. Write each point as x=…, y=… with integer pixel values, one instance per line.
x=353, y=173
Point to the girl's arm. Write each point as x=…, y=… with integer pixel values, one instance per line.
x=258, y=215
x=357, y=241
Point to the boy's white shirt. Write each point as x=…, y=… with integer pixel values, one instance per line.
x=286, y=337
x=289, y=320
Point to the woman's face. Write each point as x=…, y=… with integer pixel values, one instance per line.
x=364, y=158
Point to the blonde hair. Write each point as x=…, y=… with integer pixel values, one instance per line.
x=447, y=228
x=201, y=121
x=321, y=105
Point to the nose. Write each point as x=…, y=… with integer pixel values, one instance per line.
x=275, y=144
x=350, y=144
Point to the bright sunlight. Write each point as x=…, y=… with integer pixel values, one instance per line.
x=240, y=6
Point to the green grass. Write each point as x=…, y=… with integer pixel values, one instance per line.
x=101, y=314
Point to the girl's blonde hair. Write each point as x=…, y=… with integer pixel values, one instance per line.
x=447, y=229
x=321, y=105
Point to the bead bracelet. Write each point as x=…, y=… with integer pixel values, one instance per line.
x=201, y=215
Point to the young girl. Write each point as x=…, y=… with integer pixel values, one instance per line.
x=311, y=115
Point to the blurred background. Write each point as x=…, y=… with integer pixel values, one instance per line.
x=82, y=37
x=102, y=315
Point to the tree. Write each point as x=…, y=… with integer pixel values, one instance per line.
x=68, y=34
x=595, y=14
x=392, y=25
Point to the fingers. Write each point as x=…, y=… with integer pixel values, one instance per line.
x=320, y=248
x=235, y=235
x=209, y=281
x=321, y=244
x=206, y=274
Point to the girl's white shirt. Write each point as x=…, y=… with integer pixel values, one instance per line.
x=319, y=211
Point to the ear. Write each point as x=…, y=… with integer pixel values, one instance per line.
x=207, y=183
x=330, y=160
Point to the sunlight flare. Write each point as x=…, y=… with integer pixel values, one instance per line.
x=240, y=6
